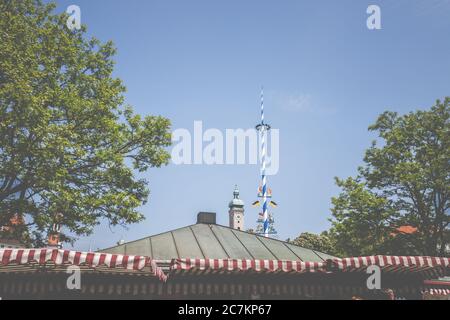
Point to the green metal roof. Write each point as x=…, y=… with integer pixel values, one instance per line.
x=211, y=241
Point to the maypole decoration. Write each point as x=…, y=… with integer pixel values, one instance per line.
x=265, y=220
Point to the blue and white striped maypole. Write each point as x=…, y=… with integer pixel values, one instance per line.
x=263, y=128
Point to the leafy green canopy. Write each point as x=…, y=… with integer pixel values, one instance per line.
x=319, y=242
x=67, y=143
x=404, y=182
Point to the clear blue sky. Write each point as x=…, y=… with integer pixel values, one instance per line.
x=326, y=75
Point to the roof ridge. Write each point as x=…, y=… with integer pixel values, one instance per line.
x=220, y=243
x=175, y=244
x=271, y=252
x=196, y=240
x=286, y=245
x=234, y=231
x=246, y=249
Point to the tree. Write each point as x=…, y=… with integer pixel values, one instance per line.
x=320, y=242
x=361, y=219
x=405, y=182
x=68, y=144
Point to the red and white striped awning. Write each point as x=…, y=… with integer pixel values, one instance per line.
x=92, y=259
x=130, y=262
x=246, y=264
x=437, y=287
x=384, y=261
x=438, y=292
x=406, y=264
x=434, y=266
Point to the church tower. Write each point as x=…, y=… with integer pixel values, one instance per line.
x=236, y=211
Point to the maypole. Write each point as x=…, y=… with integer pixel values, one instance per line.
x=265, y=221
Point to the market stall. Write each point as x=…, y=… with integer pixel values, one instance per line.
x=43, y=274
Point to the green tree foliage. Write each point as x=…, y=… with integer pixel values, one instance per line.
x=68, y=144
x=405, y=182
x=362, y=219
x=319, y=242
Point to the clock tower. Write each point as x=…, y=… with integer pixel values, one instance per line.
x=236, y=212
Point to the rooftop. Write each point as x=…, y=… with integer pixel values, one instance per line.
x=212, y=241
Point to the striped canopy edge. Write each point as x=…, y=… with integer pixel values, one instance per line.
x=384, y=261
x=92, y=259
x=247, y=264
x=437, y=287
x=437, y=292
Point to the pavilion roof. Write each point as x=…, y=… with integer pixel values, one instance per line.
x=212, y=241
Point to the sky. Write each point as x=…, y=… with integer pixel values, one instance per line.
x=326, y=77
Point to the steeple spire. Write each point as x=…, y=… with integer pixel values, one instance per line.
x=236, y=192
